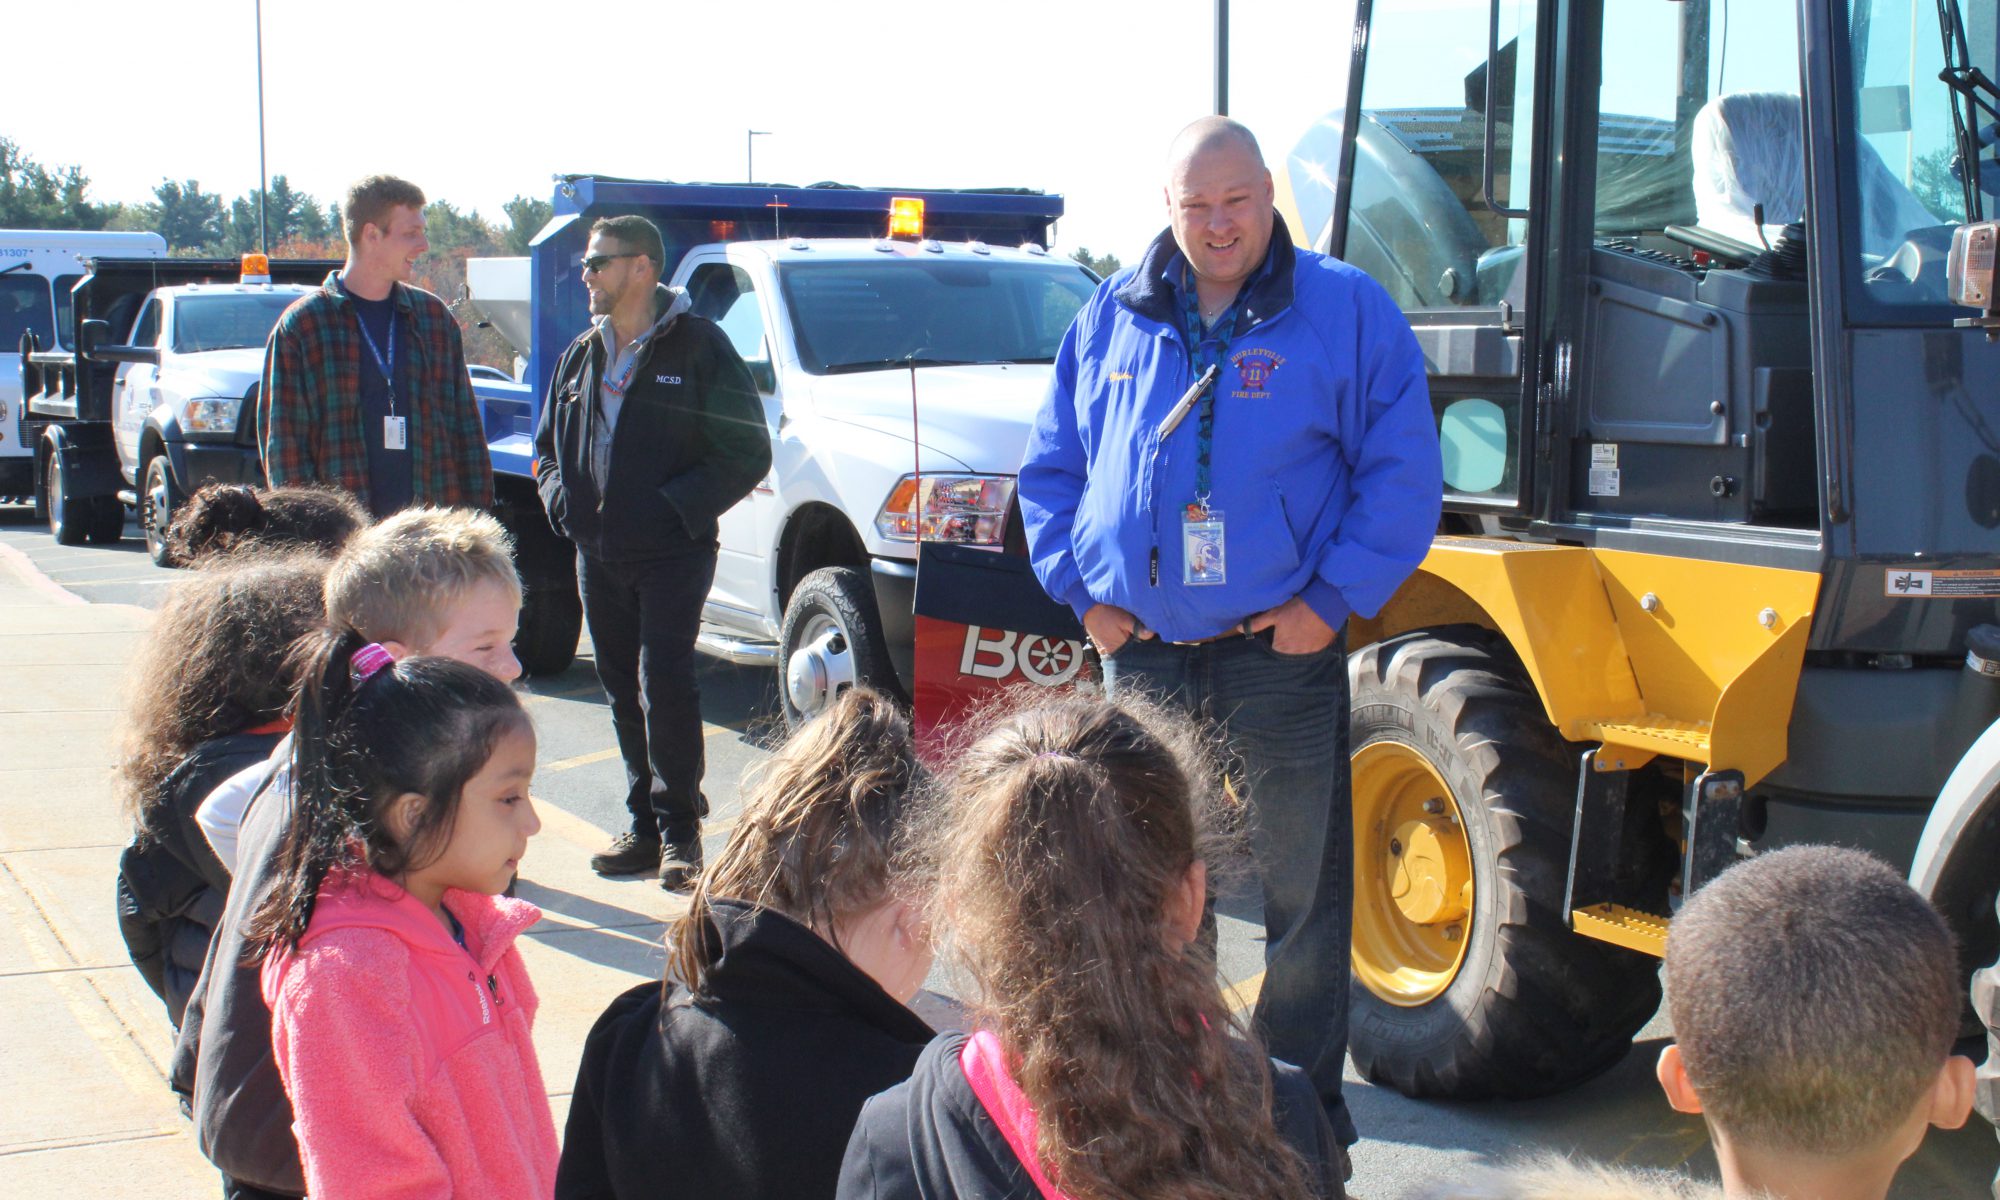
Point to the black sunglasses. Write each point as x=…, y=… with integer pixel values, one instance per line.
x=597, y=262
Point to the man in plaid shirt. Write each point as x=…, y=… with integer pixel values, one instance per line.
x=364, y=380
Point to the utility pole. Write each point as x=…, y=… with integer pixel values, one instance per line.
x=1221, y=58
x=263, y=172
x=750, y=137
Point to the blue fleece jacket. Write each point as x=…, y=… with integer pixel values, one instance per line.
x=1325, y=462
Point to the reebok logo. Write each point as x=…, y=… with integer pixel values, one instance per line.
x=673, y=379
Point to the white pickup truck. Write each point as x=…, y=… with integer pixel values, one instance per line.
x=899, y=377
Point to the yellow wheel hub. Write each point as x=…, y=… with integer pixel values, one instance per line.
x=1412, y=876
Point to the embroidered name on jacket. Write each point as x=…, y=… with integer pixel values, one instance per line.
x=1254, y=369
x=673, y=379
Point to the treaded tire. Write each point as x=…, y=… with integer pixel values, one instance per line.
x=1531, y=1008
x=1986, y=1003
x=107, y=521
x=70, y=517
x=158, y=477
x=840, y=598
x=551, y=611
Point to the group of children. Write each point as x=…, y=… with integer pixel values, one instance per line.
x=329, y=776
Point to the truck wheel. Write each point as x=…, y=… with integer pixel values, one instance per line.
x=551, y=619
x=1986, y=1002
x=831, y=640
x=159, y=499
x=71, y=518
x=1466, y=981
x=551, y=611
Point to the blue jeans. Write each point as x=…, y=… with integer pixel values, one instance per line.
x=1285, y=719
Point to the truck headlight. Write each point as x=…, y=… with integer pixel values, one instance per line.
x=968, y=509
x=210, y=414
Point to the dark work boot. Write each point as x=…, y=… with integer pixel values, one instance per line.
x=630, y=854
x=680, y=863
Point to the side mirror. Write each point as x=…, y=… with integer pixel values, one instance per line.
x=90, y=335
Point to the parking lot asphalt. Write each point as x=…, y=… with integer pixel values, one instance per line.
x=85, y=1040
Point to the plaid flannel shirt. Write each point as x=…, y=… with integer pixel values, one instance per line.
x=310, y=420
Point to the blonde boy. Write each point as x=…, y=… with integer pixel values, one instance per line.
x=424, y=581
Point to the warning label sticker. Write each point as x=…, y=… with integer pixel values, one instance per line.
x=1604, y=481
x=1603, y=454
x=1907, y=584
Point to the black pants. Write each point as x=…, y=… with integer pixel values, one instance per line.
x=643, y=616
x=235, y=1190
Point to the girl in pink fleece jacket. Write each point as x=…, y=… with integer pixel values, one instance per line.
x=401, y=1013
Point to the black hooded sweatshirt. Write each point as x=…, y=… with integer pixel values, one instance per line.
x=931, y=1138
x=749, y=1091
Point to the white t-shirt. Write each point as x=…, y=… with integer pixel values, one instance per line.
x=221, y=813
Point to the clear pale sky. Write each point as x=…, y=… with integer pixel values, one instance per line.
x=479, y=102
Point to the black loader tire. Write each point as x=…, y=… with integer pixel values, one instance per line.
x=839, y=598
x=1529, y=1008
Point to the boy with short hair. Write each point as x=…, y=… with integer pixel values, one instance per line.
x=424, y=581
x=1815, y=998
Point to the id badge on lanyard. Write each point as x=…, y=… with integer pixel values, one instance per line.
x=1204, y=551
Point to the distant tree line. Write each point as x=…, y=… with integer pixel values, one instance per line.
x=201, y=224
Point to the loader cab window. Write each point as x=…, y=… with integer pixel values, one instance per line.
x=1437, y=214
x=1693, y=395
x=1900, y=193
x=24, y=306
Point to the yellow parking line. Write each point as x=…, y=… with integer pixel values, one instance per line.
x=570, y=694
x=598, y=756
x=581, y=760
x=1244, y=993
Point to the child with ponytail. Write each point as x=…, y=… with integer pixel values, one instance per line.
x=1071, y=846
x=401, y=1013
x=784, y=1008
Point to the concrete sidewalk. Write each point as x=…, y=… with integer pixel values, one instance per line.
x=84, y=1043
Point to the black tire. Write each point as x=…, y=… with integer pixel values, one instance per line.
x=832, y=636
x=1986, y=1003
x=107, y=521
x=551, y=620
x=70, y=517
x=551, y=610
x=1528, y=1008
x=159, y=499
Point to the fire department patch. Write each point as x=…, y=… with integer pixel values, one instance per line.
x=1254, y=369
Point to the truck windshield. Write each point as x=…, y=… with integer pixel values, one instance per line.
x=1902, y=191
x=879, y=315
x=227, y=322
x=24, y=305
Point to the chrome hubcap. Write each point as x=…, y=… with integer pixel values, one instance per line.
x=821, y=665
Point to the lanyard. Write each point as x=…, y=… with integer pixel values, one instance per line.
x=1207, y=348
x=385, y=365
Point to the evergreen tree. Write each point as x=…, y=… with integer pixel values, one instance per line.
x=525, y=217
x=1101, y=265
x=33, y=196
x=189, y=218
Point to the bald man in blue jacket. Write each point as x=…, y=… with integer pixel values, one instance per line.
x=1237, y=454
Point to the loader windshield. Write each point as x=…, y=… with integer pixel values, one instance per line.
x=1904, y=187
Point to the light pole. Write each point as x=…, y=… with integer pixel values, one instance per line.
x=750, y=137
x=263, y=172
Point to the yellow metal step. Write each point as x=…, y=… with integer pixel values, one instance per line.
x=1655, y=734
x=1621, y=926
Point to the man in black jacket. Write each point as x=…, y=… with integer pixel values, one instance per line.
x=650, y=431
